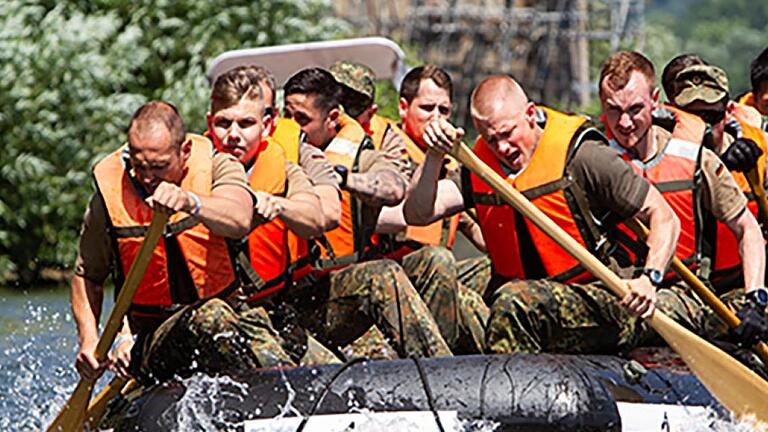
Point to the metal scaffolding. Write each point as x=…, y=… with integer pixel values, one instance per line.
x=546, y=45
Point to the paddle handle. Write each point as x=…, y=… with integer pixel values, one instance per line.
x=462, y=153
x=753, y=178
x=703, y=292
x=98, y=405
x=72, y=414
x=736, y=387
x=131, y=284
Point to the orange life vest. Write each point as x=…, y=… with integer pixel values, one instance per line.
x=439, y=233
x=267, y=268
x=746, y=107
x=206, y=255
x=726, y=264
x=675, y=172
x=350, y=242
x=518, y=249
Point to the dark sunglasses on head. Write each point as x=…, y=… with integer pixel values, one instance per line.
x=710, y=116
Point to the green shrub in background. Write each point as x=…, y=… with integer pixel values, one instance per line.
x=71, y=74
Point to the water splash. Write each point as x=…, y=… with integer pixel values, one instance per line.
x=37, y=353
x=202, y=405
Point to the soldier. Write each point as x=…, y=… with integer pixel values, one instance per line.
x=177, y=322
x=339, y=301
x=702, y=90
x=690, y=177
x=420, y=250
x=286, y=201
x=561, y=163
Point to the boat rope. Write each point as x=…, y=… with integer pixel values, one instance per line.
x=428, y=393
x=326, y=389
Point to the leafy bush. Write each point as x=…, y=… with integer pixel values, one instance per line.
x=71, y=74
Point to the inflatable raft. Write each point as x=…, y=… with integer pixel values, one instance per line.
x=522, y=392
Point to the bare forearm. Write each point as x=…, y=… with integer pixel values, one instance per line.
x=377, y=188
x=751, y=249
x=472, y=231
x=225, y=216
x=302, y=213
x=422, y=193
x=87, y=298
x=330, y=202
x=664, y=227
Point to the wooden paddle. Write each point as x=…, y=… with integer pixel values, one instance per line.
x=703, y=292
x=735, y=386
x=98, y=405
x=753, y=178
x=72, y=415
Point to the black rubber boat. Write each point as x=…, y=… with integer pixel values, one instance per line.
x=521, y=392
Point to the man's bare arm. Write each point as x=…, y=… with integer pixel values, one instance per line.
x=381, y=187
x=330, y=202
x=664, y=228
x=87, y=298
x=472, y=231
x=226, y=212
x=303, y=214
x=430, y=199
x=751, y=248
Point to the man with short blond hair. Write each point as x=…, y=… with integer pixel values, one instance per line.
x=690, y=177
x=549, y=303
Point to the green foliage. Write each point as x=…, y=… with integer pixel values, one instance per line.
x=71, y=74
x=726, y=33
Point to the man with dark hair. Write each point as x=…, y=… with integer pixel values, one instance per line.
x=547, y=301
x=178, y=321
x=344, y=296
x=758, y=76
x=689, y=176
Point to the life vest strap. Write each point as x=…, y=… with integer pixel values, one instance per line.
x=675, y=186
x=141, y=230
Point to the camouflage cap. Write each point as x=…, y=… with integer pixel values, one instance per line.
x=704, y=83
x=356, y=76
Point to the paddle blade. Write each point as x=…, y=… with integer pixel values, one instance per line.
x=739, y=389
x=72, y=415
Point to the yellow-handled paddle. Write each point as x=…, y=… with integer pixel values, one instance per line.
x=703, y=292
x=72, y=415
x=739, y=389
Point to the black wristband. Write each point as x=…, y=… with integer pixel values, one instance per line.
x=343, y=172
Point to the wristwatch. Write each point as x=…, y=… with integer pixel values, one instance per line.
x=343, y=172
x=758, y=296
x=655, y=276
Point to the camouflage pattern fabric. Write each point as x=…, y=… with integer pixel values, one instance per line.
x=342, y=306
x=372, y=345
x=210, y=337
x=473, y=319
x=545, y=316
x=475, y=273
x=356, y=76
x=432, y=271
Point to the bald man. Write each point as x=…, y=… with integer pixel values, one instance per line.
x=546, y=301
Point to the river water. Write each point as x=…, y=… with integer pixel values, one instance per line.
x=37, y=349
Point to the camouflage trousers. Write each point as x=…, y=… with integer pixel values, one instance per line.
x=475, y=273
x=458, y=310
x=545, y=316
x=344, y=305
x=209, y=336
